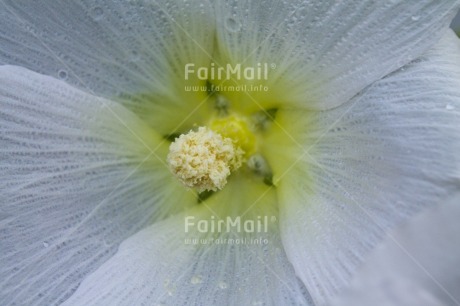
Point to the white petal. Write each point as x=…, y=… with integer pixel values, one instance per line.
x=75, y=183
x=157, y=267
x=325, y=52
x=416, y=265
x=384, y=156
x=132, y=51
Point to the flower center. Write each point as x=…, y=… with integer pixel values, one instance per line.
x=205, y=157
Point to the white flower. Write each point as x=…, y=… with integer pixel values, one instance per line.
x=413, y=259
x=358, y=130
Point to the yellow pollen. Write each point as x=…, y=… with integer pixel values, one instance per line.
x=204, y=159
x=237, y=130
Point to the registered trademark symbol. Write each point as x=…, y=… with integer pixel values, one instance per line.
x=273, y=66
x=273, y=219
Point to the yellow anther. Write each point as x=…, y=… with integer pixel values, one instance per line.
x=237, y=130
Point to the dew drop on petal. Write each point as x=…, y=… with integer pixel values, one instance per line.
x=135, y=56
x=97, y=13
x=46, y=244
x=223, y=285
x=62, y=74
x=415, y=18
x=450, y=107
x=232, y=25
x=197, y=279
x=170, y=288
x=300, y=12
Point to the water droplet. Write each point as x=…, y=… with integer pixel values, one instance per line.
x=97, y=13
x=415, y=18
x=232, y=25
x=223, y=285
x=450, y=107
x=135, y=55
x=46, y=244
x=170, y=288
x=62, y=74
x=197, y=279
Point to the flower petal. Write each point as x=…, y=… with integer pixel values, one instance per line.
x=157, y=266
x=367, y=165
x=76, y=181
x=416, y=265
x=132, y=51
x=325, y=52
